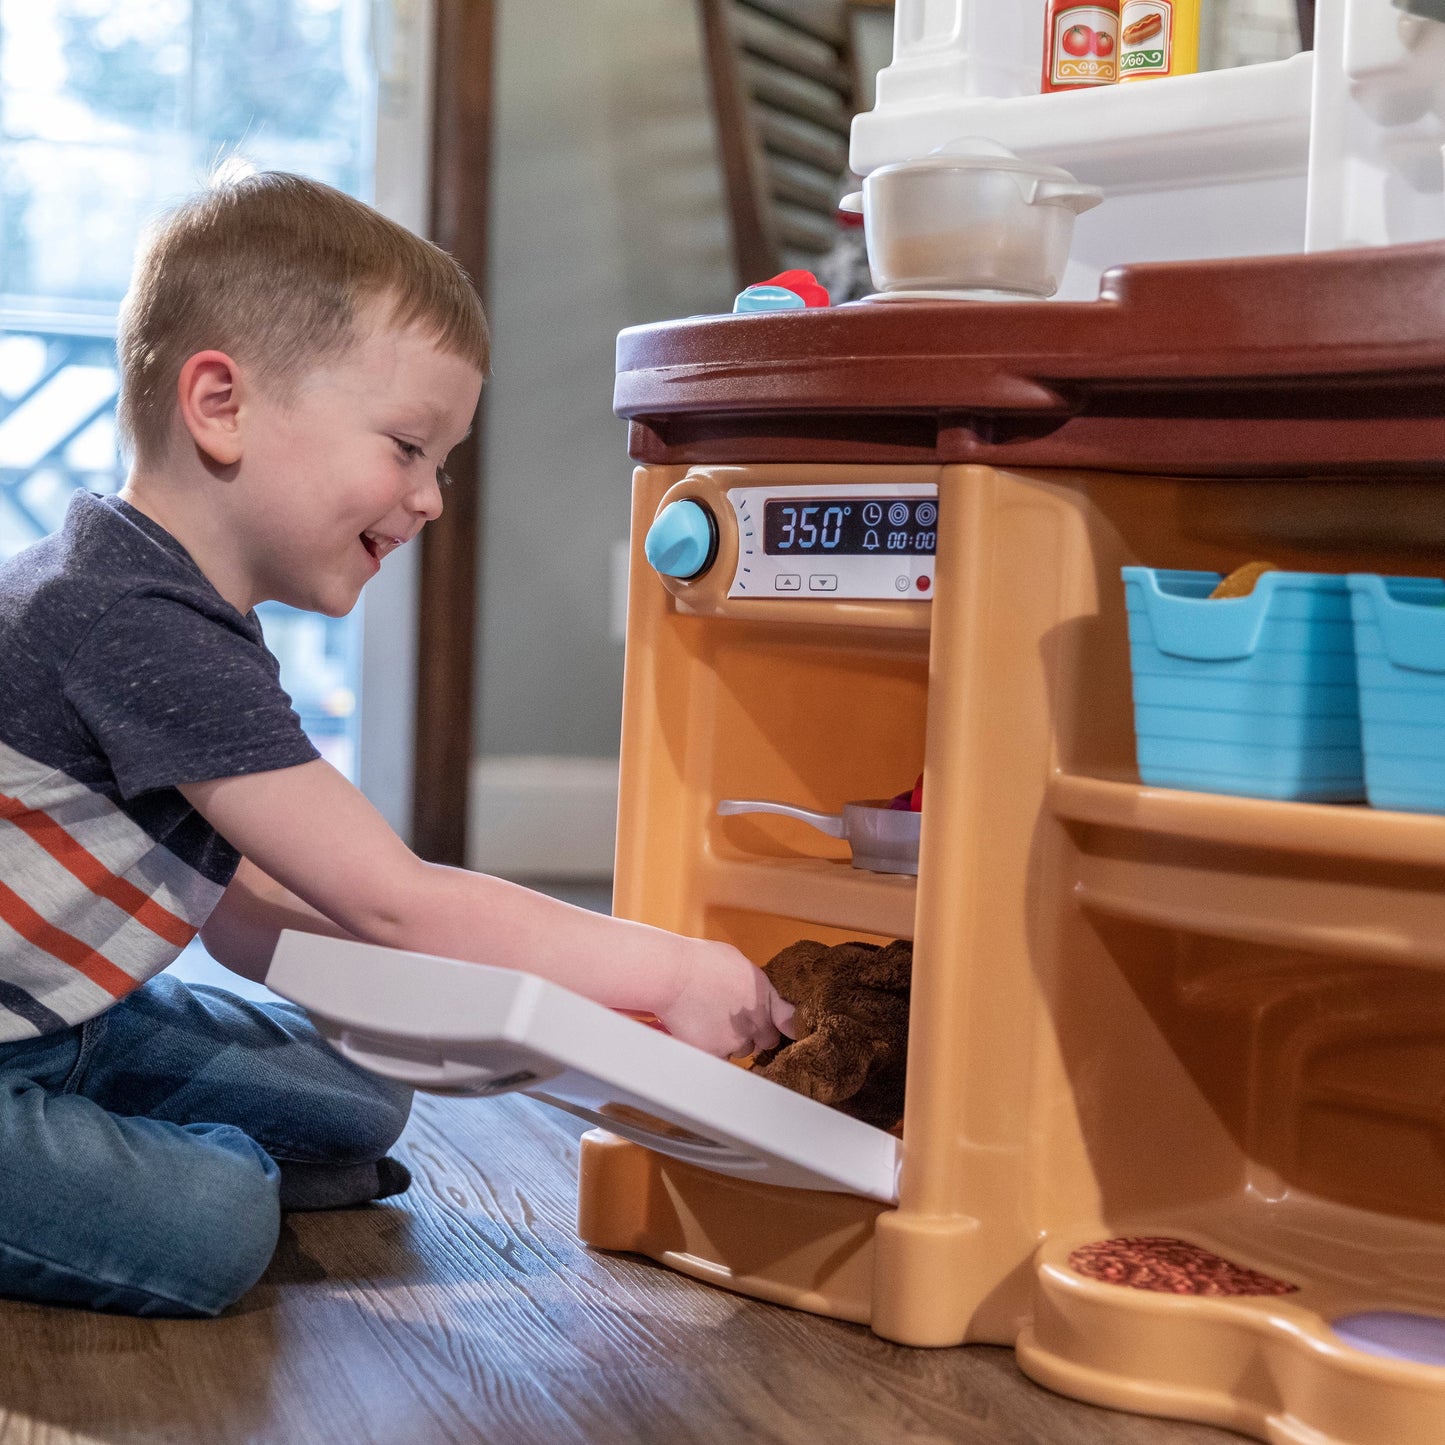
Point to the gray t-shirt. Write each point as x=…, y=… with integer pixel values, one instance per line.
x=123, y=673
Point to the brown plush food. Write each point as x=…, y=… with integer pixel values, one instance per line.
x=851, y=1018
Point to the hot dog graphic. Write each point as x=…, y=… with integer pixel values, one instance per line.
x=1145, y=29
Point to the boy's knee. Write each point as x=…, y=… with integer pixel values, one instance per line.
x=223, y=1230
x=379, y=1119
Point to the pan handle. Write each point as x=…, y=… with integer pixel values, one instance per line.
x=829, y=823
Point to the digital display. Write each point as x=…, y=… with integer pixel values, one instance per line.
x=850, y=527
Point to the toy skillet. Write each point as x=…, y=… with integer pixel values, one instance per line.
x=883, y=839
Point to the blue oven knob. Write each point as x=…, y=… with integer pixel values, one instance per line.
x=682, y=540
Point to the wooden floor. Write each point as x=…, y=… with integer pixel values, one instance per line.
x=466, y=1310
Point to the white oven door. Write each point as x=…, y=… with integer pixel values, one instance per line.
x=466, y=1028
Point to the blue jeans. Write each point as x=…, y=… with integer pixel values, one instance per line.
x=139, y=1152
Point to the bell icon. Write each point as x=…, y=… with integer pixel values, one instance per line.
x=870, y=541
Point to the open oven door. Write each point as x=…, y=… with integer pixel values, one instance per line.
x=466, y=1028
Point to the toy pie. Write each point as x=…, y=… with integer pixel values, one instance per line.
x=1170, y=1266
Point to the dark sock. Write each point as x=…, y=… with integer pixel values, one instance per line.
x=392, y=1176
x=340, y=1186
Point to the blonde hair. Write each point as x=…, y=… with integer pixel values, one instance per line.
x=272, y=269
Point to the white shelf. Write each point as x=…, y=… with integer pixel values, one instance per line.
x=1252, y=123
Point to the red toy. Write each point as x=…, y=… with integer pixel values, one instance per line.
x=801, y=283
x=910, y=800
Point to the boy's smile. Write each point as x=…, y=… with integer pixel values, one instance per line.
x=380, y=546
x=298, y=493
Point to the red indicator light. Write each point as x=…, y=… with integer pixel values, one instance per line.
x=922, y=584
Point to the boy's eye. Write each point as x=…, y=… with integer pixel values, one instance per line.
x=408, y=449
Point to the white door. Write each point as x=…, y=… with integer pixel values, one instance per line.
x=464, y=1028
x=110, y=110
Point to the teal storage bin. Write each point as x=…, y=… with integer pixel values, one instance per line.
x=1254, y=695
x=1400, y=655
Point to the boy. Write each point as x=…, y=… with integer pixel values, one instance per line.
x=294, y=370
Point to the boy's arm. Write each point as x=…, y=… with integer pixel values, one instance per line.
x=319, y=838
x=242, y=930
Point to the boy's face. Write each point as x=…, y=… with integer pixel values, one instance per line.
x=344, y=469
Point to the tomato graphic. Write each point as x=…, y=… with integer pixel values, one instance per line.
x=1076, y=40
x=1103, y=43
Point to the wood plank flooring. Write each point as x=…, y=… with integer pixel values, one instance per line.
x=466, y=1311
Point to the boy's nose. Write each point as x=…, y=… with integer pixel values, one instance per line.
x=427, y=499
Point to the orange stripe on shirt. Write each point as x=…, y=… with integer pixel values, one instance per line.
x=15, y=911
x=84, y=865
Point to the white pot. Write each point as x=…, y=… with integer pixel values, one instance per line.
x=971, y=217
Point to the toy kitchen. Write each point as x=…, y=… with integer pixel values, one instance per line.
x=1176, y=1058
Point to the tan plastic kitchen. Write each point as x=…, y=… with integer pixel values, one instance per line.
x=1202, y=1028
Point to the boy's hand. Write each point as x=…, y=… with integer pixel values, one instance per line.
x=724, y=1005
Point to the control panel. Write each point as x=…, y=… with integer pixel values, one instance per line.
x=874, y=540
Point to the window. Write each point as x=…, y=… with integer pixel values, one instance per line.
x=111, y=110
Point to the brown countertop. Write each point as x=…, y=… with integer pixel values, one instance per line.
x=1325, y=364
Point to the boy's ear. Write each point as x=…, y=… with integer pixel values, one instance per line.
x=209, y=396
